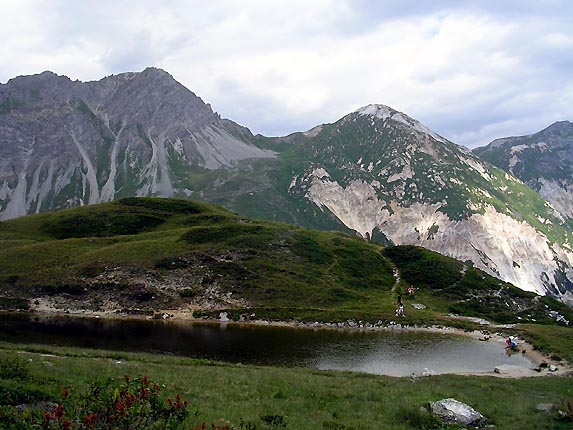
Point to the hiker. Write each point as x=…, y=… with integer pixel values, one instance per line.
x=510, y=342
x=400, y=310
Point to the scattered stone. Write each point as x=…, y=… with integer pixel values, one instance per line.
x=418, y=306
x=559, y=318
x=223, y=317
x=453, y=411
x=545, y=407
x=428, y=372
x=497, y=370
x=553, y=368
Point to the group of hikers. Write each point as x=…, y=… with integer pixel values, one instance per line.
x=400, y=310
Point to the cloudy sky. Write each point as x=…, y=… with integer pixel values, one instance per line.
x=471, y=70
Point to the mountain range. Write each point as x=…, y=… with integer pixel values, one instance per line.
x=543, y=160
x=375, y=172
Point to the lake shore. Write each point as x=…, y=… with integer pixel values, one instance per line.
x=489, y=333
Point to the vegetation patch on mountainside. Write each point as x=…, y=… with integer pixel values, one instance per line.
x=455, y=287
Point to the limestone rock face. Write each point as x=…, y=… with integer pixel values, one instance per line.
x=389, y=178
x=543, y=160
x=66, y=143
x=454, y=412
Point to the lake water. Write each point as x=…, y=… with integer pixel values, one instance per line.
x=395, y=353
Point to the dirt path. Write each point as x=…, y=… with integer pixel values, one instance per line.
x=396, y=274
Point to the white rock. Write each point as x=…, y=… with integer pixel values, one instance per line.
x=453, y=411
x=428, y=372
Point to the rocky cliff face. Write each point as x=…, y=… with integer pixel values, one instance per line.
x=386, y=176
x=65, y=143
x=543, y=160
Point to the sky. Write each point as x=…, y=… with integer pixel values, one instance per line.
x=470, y=70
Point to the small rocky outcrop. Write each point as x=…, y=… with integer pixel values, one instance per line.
x=452, y=411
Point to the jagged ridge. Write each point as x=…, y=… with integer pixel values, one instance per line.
x=65, y=143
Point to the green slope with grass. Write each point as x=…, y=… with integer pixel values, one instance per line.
x=146, y=255
x=149, y=255
x=153, y=254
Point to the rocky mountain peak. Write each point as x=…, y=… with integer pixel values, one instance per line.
x=376, y=171
x=388, y=177
x=560, y=129
x=67, y=143
x=543, y=160
x=385, y=113
x=46, y=75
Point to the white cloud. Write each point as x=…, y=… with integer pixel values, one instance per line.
x=467, y=71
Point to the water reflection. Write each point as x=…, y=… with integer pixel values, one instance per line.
x=387, y=353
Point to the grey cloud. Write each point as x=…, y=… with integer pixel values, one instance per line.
x=533, y=92
x=133, y=54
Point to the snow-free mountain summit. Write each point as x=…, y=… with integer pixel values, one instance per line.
x=376, y=171
x=542, y=160
x=66, y=143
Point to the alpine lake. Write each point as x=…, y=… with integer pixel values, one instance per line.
x=382, y=352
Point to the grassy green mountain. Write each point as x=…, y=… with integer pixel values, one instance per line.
x=389, y=178
x=152, y=255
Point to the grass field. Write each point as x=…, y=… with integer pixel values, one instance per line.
x=303, y=398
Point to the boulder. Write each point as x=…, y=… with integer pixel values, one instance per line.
x=428, y=372
x=545, y=407
x=452, y=411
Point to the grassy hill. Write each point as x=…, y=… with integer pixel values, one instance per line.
x=151, y=255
